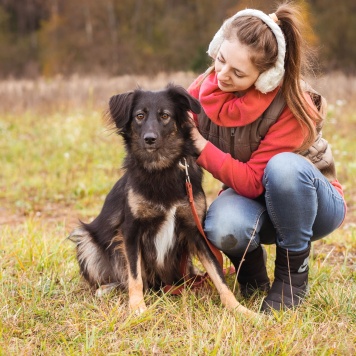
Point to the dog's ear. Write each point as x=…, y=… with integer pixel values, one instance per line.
x=120, y=109
x=187, y=102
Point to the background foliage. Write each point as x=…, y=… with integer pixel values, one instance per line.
x=47, y=37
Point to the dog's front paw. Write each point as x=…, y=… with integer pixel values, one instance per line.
x=138, y=308
x=229, y=300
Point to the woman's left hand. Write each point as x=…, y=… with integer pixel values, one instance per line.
x=199, y=141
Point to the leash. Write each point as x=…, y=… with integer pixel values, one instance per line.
x=197, y=281
x=189, y=189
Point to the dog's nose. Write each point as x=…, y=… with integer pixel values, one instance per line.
x=150, y=138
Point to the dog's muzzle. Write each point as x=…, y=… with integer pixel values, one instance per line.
x=151, y=141
x=150, y=138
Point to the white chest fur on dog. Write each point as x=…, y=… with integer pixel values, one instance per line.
x=165, y=237
x=164, y=240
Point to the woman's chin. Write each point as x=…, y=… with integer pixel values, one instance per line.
x=226, y=88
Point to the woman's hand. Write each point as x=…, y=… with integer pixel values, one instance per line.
x=199, y=141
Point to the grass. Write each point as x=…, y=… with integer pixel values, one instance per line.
x=58, y=161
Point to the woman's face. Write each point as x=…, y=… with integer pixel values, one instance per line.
x=234, y=69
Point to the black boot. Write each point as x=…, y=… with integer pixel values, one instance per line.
x=252, y=275
x=290, y=280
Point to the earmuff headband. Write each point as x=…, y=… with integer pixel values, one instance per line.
x=271, y=78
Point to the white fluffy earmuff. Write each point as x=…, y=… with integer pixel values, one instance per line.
x=271, y=78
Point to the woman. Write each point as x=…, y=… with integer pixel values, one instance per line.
x=258, y=125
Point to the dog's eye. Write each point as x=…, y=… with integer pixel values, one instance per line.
x=140, y=116
x=165, y=116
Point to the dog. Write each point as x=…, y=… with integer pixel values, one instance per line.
x=146, y=226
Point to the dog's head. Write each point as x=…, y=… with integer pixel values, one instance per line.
x=155, y=124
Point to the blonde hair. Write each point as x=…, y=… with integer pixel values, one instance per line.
x=254, y=33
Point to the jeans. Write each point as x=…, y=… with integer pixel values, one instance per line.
x=299, y=206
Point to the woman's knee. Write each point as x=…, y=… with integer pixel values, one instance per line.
x=230, y=225
x=287, y=171
x=232, y=238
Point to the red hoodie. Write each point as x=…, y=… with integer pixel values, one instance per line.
x=225, y=109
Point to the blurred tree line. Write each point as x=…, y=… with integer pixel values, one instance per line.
x=47, y=37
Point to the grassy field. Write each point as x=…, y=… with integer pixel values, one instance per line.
x=58, y=161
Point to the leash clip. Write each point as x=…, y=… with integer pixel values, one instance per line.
x=185, y=166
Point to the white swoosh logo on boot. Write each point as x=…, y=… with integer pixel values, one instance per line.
x=304, y=266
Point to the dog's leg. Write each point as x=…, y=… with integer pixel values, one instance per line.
x=132, y=253
x=216, y=274
x=136, y=300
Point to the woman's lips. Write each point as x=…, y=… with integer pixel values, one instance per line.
x=223, y=84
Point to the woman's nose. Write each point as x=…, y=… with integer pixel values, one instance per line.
x=222, y=73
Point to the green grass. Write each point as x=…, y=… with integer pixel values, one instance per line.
x=56, y=167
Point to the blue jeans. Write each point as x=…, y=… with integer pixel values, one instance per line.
x=299, y=206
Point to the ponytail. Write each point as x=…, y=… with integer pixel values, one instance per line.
x=296, y=63
x=253, y=32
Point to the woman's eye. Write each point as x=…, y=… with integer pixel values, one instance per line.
x=140, y=116
x=238, y=75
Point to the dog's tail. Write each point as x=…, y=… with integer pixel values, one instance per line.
x=97, y=267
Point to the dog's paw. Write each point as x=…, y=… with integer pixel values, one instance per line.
x=229, y=300
x=139, y=311
x=138, y=308
x=105, y=289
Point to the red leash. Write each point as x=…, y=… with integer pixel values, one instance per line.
x=213, y=249
x=196, y=281
x=189, y=189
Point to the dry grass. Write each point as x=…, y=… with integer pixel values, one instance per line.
x=73, y=93
x=58, y=161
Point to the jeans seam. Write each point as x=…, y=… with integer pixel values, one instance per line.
x=271, y=212
x=253, y=235
x=337, y=196
x=329, y=186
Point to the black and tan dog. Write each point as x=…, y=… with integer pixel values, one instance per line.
x=146, y=225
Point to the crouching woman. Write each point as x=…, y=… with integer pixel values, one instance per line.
x=260, y=134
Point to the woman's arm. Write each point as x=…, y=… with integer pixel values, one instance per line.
x=286, y=135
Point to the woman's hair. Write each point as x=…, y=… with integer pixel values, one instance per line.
x=254, y=33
